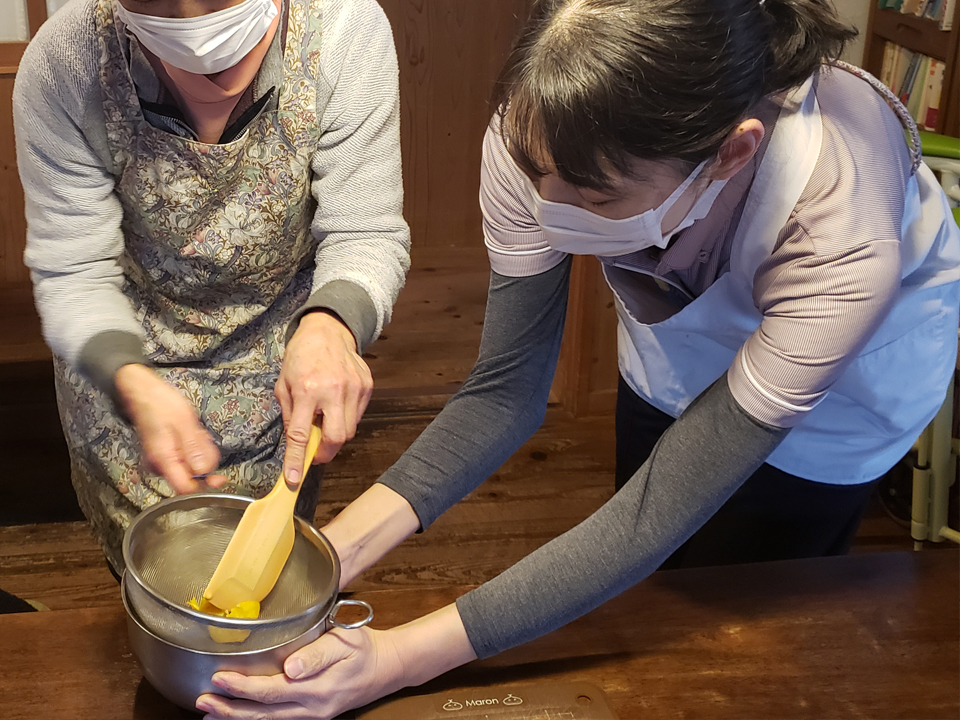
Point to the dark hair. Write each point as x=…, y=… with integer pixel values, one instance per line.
x=592, y=84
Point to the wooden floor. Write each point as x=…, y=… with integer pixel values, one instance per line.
x=557, y=479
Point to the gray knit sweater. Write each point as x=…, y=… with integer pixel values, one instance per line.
x=74, y=238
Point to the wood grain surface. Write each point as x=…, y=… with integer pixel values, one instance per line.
x=558, y=478
x=432, y=341
x=863, y=636
x=587, y=370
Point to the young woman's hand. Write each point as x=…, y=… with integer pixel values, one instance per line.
x=175, y=444
x=343, y=669
x=322, y=374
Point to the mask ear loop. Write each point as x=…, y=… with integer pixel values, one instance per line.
x=675, y=195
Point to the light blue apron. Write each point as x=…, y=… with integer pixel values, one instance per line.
x=877, y=408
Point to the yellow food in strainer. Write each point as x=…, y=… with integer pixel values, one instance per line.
x=249, y=609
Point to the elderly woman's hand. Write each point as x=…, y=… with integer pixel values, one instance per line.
x=322, y=374
x=175, y=444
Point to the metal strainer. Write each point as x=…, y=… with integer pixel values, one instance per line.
x=171, y=550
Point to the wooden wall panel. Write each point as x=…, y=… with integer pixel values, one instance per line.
x=10, y=53
x=19, y=325
x=604, y=370
x=13, y=226
x=951, y=120
x=586, y=380
x=36, y=14
x=449, y=52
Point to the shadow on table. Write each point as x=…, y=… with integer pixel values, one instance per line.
x=757, y=590
x=148, y=704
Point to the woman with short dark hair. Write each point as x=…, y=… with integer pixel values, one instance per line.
x=787, y=287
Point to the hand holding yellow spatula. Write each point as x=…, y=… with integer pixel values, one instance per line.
x=261, y=543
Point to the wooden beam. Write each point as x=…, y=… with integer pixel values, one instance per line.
x=36, y=14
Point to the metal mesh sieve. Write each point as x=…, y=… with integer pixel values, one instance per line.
x=171, y=550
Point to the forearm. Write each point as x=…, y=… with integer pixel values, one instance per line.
x=694, y=468
x=432, y=645
x=502, y=402
x=368, y=528
x=105, y=354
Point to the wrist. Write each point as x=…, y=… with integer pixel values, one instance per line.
x=325, y=321
x=349, y=303
x=432, y=645
x=368, y=528
x=129, y=380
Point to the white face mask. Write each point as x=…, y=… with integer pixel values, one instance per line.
x=207, y=44
x=578, y=231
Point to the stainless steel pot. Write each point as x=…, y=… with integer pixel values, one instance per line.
x=182, y=675
x=171, y=550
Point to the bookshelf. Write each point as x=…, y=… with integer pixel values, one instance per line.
x=924, y=36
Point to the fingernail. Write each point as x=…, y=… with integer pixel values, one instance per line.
x=294, y=669
x=202, y=706
x=293, y=476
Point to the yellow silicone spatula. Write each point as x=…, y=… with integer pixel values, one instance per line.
x=261, y=543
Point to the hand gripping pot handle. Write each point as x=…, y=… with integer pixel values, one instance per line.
x=332, y=617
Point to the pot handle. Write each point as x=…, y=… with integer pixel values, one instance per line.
x=332, y=617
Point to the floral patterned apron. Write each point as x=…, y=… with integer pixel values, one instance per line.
x=218, y=256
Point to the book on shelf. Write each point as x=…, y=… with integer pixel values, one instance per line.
x=930, y=105
x=916, y=79
x=940, y=11
x=947, y=12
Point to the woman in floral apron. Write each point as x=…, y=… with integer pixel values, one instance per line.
x=214, y=233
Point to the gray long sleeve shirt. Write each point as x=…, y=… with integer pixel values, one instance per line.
x=700, y=461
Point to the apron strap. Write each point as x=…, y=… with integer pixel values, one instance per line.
x=909, y=124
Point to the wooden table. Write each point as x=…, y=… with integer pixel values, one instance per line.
x=862, y=636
